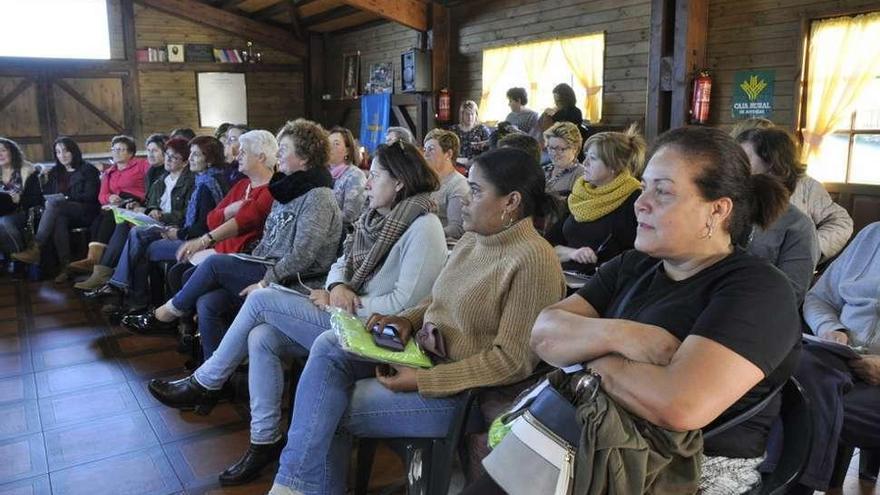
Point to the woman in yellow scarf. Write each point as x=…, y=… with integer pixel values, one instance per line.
x=602, y=222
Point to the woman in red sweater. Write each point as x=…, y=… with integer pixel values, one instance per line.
x=122, y=182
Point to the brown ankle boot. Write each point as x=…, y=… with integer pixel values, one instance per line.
x=31, y=255
x=96, y=250
x=100, y=276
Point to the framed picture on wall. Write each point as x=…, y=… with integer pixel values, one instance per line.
x=175, y=53
x=381, y=78
x=351, y=63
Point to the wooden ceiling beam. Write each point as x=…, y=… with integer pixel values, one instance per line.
x=410, y=13
x=259, y=32
x=329, y=15
x=271, y=11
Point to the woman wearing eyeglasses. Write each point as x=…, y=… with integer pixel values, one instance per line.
x=601, y=222
x=563, y=141
x=124, y=181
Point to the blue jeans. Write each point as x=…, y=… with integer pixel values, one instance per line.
x=219, y=271
x=272, y=327
x=113, y=251
x=144, y=245
x=338, y=397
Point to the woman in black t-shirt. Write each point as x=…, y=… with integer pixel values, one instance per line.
x=707, y=329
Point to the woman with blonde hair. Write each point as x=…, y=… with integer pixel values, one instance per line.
x=473, y=135
x=563, y=143
x=602, y=222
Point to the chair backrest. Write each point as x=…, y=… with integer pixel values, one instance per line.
x=743, y=416
x=797, y=431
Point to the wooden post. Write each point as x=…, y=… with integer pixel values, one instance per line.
x=314, y=88
x=678, y=40
x=131, y=89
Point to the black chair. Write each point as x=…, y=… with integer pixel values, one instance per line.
x=428, y=460
x=796, y=420
x=869, y=465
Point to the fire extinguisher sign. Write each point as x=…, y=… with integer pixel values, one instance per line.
x=752, y=94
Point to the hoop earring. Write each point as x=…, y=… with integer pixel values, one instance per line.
x=509, y=222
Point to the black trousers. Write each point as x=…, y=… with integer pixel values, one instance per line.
x=845, y=409
x=103, y=226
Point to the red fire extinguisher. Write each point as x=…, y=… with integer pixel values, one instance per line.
x=444, y=105
x=700, y=98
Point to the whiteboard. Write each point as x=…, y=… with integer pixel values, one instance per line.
x=222, y=98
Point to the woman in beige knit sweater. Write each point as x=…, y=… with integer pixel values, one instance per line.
x=500, y=276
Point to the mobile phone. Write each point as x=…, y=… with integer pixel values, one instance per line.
x=387, y=337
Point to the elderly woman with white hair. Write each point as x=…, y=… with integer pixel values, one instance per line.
x=300, y=237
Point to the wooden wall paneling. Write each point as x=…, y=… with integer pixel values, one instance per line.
x=19, y=117
x=48, y=119
x=239, y=26
x=117, y=37
x=131, y=91
x=274, y=98
x=89, y=106
x=754, y=34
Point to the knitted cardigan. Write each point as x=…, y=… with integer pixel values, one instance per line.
x=484, y=304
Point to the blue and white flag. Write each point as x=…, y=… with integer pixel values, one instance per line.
x=375, y=113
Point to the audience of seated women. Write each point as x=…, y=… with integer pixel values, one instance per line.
x=843, y=307
x=70, y=199
x=790, y=243
x=473, y=136
x=166, y=202
x=151, y=244
x=236, y=226
x=563, y=144
x=441, y=152
x=390, y=263
x=122, y=182
x=19, y=190
x=348, y=179
x=688, y=330
x=482, y=306
x=601, y=222
x=300, y=238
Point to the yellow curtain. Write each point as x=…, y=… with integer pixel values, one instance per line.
x=844, y=55
x=535, y=57
x=494, y=63
x=585, y=56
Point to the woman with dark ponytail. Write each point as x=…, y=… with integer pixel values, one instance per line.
x=688, y=329
x=790, y=243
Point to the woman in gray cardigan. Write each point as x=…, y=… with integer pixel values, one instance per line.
x=390, y=263
x=301, y=234
x=790, y=243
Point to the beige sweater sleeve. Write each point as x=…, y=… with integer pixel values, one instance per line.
x=536, y=285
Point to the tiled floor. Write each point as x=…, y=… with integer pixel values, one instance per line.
x=75, y=416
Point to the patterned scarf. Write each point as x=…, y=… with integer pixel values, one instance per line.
x=588, y=203
x=375, y=234
x=204, y=180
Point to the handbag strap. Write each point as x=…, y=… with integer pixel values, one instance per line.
x=632, y=289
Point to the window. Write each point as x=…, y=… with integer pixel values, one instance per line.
x=841, y=125
x=539, y=67
x=55, y=29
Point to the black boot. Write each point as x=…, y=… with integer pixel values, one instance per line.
x=185, y=394
x=251, y=463
x=147, y=324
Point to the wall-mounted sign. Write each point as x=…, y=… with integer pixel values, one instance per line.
x=753, y=94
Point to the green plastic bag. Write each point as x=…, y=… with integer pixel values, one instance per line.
x=354, y=338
